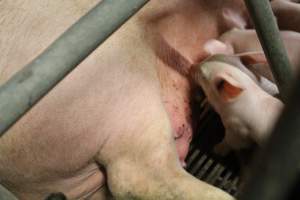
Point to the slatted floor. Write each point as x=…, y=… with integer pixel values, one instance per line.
x=222, y=172
x=207, y=169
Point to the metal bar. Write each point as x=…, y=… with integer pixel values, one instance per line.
x=29, y=85
x=277, y=168
x=269, y=36
x=5, y=194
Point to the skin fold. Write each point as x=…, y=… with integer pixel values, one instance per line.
x=120, y=124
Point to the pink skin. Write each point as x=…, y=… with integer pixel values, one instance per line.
x=287, y=13
x=244, y=41
x=111, y=123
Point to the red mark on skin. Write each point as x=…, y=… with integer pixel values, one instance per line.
x=180, y=132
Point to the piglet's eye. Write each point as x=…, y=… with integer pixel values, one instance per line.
x=220, y=85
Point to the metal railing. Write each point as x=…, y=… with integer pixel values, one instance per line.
x=268, y=32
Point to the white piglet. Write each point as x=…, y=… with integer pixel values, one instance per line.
x=248, y=112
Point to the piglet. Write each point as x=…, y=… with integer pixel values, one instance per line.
x=248, y=112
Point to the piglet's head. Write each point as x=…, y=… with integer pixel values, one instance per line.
x=222, y=82
x=245, y=109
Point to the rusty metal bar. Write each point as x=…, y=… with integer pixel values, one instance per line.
x=269, y=36
x=29, y=85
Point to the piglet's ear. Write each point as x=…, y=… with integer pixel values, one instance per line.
x=227, y=88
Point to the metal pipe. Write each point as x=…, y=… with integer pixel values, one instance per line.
x=277, y=168
x=269, y=36
x=5, y=194
x=29, y=85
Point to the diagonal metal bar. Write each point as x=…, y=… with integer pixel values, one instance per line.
x=29, y=85
x=269, y=36
x=5, y=194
